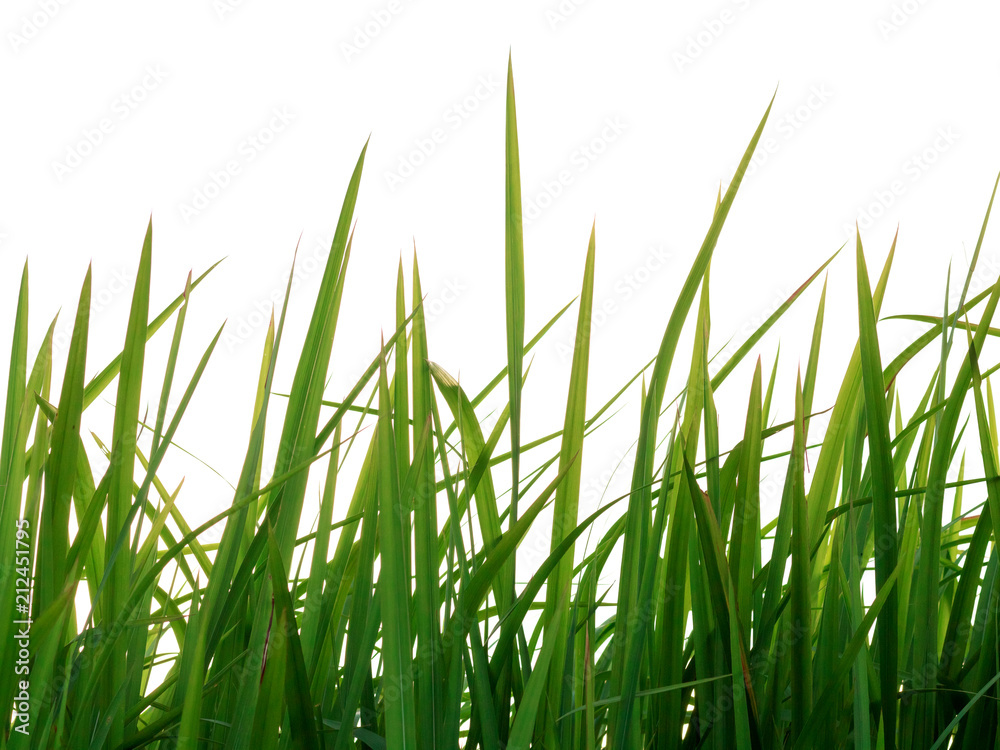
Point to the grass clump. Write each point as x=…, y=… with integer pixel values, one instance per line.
x=864, y=614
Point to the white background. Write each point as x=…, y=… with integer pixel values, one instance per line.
x=886, y=113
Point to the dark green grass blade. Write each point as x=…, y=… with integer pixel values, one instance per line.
x=297, y=694
x=400, y=710
x=723, y=596
x=638, y=523
x=745, y=546
x=921, y=726
x=810, y=736
x=429, y=663
x=799, y=583
x=298, y=435
x=826, y=471
x=884, y=501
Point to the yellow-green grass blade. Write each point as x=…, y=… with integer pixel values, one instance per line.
x=565, y=509
x=514, y=285
x=812, y=367
x=145, y=554
x=918, y=344
x=401, y=407
x=120, y=487
x=347, y=404
x=510, y=622
x=197, y=549
x=233, y=545
x=497, y=557
x=514, y=308
x=534, y=689
x=61, y=464
x=192, y=676
x=97, y=384
x=142, y=492
x=937, y=321
x=502, y=375
x=884, y=501
x=972, y=266
x=168, y=377
x=769, y=393
x=474, y=446
x=18, y=413
x=751, y=341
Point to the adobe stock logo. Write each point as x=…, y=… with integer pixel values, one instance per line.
x=711, y=30
x=452, y=119
x=539, y=200
x=365, y=33
x=915, y=167
x=248, y=149
x=899, y=17
x=625, y=288
x=95, y=135
x=561, y=13
x=32, y=24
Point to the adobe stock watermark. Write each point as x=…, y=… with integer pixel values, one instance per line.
x=452, y=120
x=559, y=13
x=712, y=28
x=902, y=333
x=251, y=147
x=102, y=297
x=625, y=288
x=223, y=8
x=438, y=303
x=911, y=171
x=746, y=330
x=787, y=125
x=365, y=33
x=241, y=329
x=122, y=106
x=898, y=17
x=33, y=23
x=539, y=200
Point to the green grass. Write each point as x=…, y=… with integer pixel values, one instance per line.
x=861, y=612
